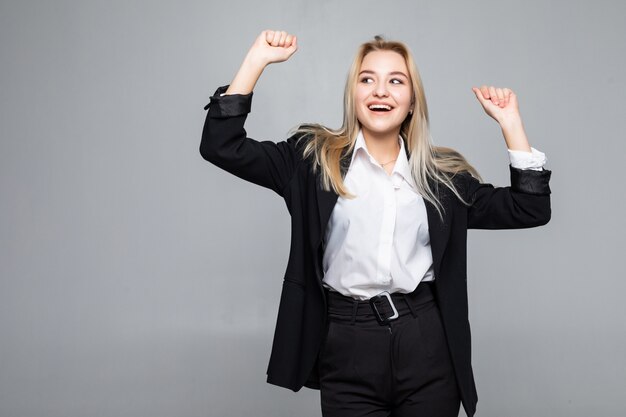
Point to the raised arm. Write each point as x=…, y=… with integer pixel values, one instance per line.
x=526, y=203
x=224, y=139
x=269, y=47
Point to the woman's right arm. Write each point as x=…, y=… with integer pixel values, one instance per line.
x=269, y=47
x=224, y=139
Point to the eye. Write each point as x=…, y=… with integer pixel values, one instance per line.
x=397, y=81
x=366, y=80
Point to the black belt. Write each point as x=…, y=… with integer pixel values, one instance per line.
x=384, y=307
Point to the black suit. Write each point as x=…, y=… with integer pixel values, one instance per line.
x=302, y=311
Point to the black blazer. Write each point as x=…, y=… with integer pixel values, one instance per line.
x=301, y=321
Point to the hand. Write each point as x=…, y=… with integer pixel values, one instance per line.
x=273, y=46
x=499, y=103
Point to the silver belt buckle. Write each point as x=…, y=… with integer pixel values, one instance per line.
x=383, y=320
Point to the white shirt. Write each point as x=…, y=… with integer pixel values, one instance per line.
x=379, y=241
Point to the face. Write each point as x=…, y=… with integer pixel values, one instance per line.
x=383, y=93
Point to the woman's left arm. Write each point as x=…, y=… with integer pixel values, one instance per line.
x=526, y=203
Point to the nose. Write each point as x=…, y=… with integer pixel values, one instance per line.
x=381, y=90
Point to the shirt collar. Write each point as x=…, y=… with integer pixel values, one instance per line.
x=402, y=163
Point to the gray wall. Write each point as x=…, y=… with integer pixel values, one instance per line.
x=121, y=248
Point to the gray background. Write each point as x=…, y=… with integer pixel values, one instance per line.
x=121, y=249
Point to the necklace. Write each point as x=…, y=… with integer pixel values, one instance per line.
x=391, y=160
x=382, y=165
x=388, y=162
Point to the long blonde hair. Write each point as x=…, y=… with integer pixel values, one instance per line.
x=330, y=147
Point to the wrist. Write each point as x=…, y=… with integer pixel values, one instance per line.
x=247, y=76
x=515, y=135
x=254, y=63
x=511, y=123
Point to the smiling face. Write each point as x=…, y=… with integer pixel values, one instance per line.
x=383, y=93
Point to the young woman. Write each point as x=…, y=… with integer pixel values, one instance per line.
x=373, y=309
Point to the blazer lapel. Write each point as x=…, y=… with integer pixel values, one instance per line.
x=326, y=199
x=438, y=230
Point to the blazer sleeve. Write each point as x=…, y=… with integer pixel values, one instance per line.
x=525, y=203
x=225, y=144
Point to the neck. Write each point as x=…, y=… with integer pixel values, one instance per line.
x=382, y=146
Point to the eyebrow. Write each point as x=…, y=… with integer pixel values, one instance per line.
x=391, y=73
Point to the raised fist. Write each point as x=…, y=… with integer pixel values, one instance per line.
x=273, y=46
x=499, y=103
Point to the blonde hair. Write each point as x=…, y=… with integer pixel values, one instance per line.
x=330, y=147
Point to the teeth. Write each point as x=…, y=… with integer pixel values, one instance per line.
x=379, y=106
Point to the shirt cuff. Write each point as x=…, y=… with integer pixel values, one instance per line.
x=534, y=159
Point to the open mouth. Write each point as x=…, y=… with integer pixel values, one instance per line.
x=379, y=108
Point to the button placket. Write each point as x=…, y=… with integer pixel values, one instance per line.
x=386, y=234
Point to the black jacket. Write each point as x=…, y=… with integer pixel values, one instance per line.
x=301, y=318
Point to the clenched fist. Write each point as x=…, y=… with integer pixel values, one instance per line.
x=273, y=46
x=499, y=103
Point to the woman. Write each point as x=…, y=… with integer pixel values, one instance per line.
x=373, y=310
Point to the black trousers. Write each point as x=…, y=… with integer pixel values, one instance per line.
x=398, y=369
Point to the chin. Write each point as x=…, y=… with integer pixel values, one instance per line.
x=381, y=131
x=377, y=128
